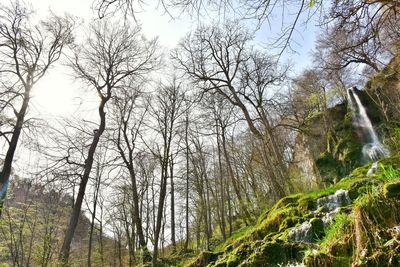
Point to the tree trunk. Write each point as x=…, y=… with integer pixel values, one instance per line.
x=137, y=216
x=93, y=217
x=246, y=215
x=8, y=160
x=171, y=173
x=160, y=208
x=187, y=182
x=221, y=183
x=65, y=249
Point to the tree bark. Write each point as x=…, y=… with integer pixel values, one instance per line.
x=7, y=166
x=187, y=182
x=65, y=249
x=171, y=173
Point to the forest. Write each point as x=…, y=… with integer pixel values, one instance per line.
x=218, y=151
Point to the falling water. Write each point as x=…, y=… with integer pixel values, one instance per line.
x=327, y=208
x=373, y=149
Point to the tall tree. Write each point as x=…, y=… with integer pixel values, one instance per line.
x=26, y=54
x=166, y=111
x=129, y=114
x=110, y=56
x=220, y=61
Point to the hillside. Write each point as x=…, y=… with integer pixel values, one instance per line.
x=353, y=223
x=33, y=226
x=354, y=220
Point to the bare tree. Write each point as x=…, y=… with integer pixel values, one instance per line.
x=111, y=55
x=129, y=114
x=359, y=32
x=220, y=61
x=26, y=54
x=167, y=110
x=294, y=14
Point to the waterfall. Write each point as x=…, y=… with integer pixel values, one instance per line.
x=327, y=208
x=373, y=149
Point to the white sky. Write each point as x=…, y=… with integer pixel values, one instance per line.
x=57, y=95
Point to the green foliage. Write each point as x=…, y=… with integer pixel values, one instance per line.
x=337, y=231
x=235, y=236
x=343, y=152
x=391, y=190
x=388, y=173
x=267, y=243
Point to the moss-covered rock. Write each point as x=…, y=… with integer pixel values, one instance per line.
x=317, y=228
x=268, y=243
x=306, y=204
x=391, y=190
x=289, y=222
x=203, y=259
x=360, y=187
x=318, y=260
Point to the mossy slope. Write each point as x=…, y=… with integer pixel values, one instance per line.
x=364, y=233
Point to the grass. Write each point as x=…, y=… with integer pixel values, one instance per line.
x=235, y=236
x=337, y=244
x=337, y=230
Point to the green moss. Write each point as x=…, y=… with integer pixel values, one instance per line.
x=337, y=231
x=360, y=187
x=266, y=243
x=203, y=259
x=287, y=201
x=243, y=232
x=289, y=222
x=239, y=254
x=277, y=216
x=361, y=172
x=306, y=204
x=391, y=190
x=317, y=226
x=274, y=252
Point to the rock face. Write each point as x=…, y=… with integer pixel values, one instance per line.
x=330, y=147
x=304, y=159
x=313, y=141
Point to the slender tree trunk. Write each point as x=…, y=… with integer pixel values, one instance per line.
x=230, y=214
x=137, y=216
x=221, y=183
x=187, y=182
x=101, y=236
x=171, y=173
x=208, y=214
x=246, y=215
x=8, y=160
x=160, y=209
x=65, y=249
x=129, y=232
x=93, y=217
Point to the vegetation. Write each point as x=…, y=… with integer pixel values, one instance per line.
x=212, y=153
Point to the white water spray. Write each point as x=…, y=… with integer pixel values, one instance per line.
x=374, y=150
